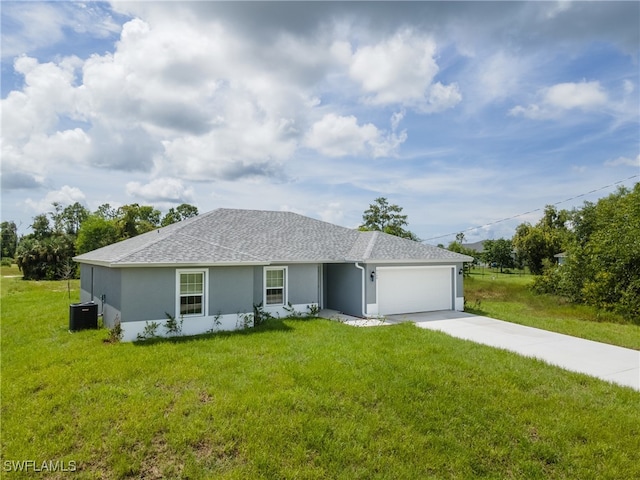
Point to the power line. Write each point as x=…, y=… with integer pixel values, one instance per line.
x=470, y=229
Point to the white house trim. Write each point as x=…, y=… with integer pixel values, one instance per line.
x=205, y=291
x=285, y=295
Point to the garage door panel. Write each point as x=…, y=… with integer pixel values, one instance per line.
x=414, y=289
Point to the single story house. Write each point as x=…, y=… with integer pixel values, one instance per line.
x=212, y=269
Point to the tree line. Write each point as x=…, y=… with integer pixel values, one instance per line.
x=600, y=243
x=47, y=252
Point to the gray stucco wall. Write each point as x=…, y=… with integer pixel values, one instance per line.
x=106, y=281
x=344, y=288
x=231, y=290
x=369, y=286
x=150, y=292
x=303, y=284
x=147, y=293
x=257, y=285
x=102, y=281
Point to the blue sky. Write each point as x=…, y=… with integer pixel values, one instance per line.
x=462, y=113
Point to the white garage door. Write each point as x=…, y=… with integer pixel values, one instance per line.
x=414, y=289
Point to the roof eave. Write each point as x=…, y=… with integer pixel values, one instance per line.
x=170, y=264
x=413, y=260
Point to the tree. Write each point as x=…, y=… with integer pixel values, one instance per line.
x=106, y=211
x=9, y=233
x=610, y=267
x=44, y=258
x=108, y=225
x=456, y=246
x=41, y=227
x=499, y=252
x=133, y=219
x=602, y=265
x=96, y=232
x=383, y=217
x=68, y=219
x=182, y=212
x=541, y=242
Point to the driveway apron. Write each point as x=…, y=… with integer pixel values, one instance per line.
x=607, y=362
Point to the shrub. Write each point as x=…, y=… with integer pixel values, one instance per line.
x=150, y=331
x=629, y=305
x=260, y=315
x=115, y=333
x=44, y=259
x=173, y=326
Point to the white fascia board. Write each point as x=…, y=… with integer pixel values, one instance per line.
x=98, y=263
x=173, y=265
x=188, y=265
x=306, y=262
x=400, y=262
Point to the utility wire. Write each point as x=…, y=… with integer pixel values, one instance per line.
x=470, y=229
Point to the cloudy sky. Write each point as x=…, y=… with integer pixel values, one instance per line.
x=462, y=113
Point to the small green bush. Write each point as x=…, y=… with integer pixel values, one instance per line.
x=173, y=326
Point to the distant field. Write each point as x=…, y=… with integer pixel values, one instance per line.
x=296, y=399
x=508, y=297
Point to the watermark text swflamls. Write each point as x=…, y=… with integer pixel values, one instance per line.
x=37, y=466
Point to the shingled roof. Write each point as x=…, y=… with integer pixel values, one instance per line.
x=234, y=237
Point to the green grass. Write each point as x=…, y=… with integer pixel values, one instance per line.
x=508, y=297
x=297, y=399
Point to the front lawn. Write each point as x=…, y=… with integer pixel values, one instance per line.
x=509, y=297
x=296, y=399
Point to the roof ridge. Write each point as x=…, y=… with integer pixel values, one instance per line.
x=370, y=245
x=222, y=246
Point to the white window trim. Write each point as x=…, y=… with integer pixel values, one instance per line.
x=205, y=292
x=285, y=296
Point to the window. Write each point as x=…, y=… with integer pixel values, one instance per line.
x=191, y=292
x=275, y=282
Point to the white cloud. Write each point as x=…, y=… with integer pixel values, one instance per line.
x=25, y=166
x=203, y=96
x=497, y=76
x=400, y=70
x=38, y=24
x=332, y=212
x=557, y=8
x=189, y=97
x=559, y=98
x=63, y=147
x=388, y=143
x=337, y=136
x=440, y=97
x=585, y=95
x=396, y=118
x=33, y=25
x=624, y=162
x=164, y=190
x=48, y=94
x=66, y=196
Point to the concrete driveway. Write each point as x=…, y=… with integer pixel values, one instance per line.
x=607, y=362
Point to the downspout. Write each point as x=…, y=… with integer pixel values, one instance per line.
x=364, y=311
